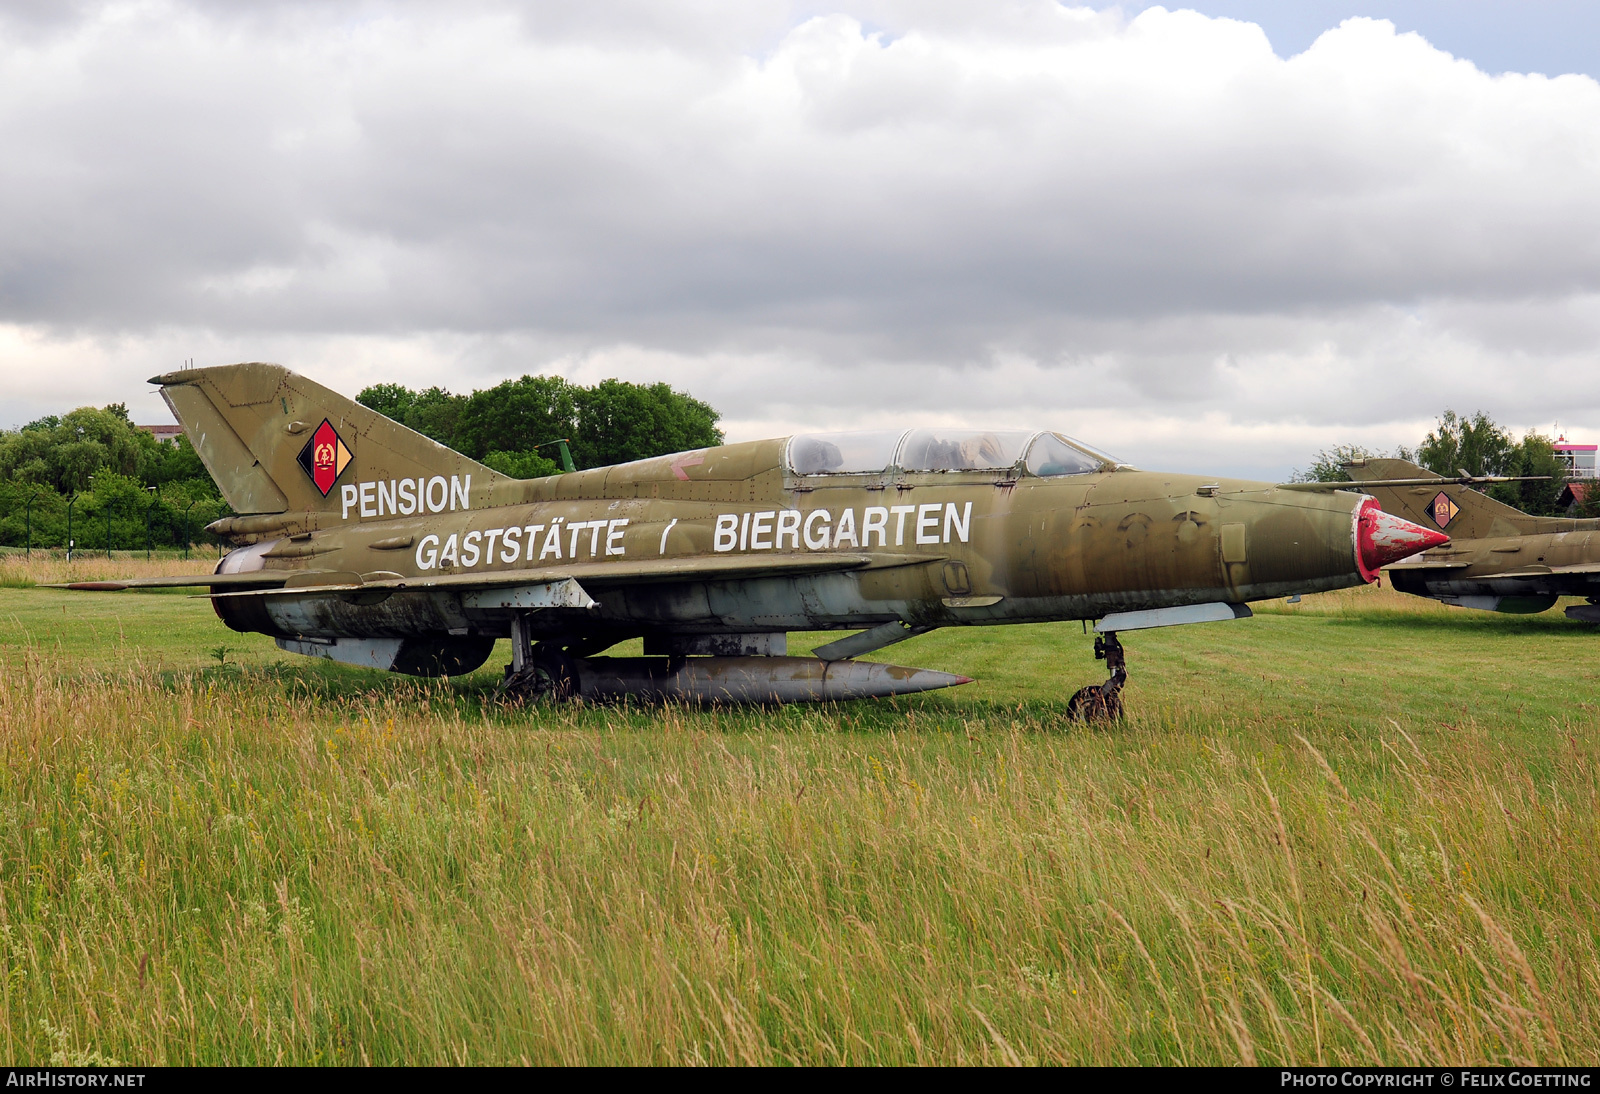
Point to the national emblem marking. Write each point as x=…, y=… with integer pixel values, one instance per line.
x=1442, y=509
x=325, y=457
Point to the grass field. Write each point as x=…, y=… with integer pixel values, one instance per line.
x=1359, y=829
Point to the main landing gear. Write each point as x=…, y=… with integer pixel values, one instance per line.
x=538, y=671
x=548, y=673
x=1102, y=702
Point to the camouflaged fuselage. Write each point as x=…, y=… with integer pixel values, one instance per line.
x=726, y=539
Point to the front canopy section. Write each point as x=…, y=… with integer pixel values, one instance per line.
x=961, y=449
x=867, y=452
x=1050, y=455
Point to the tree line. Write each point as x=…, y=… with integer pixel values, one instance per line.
x=98, y=480
x=94, y=477
x=1479, y=446
x=513, y=426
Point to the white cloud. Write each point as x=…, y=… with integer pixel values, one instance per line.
x=1154, y=233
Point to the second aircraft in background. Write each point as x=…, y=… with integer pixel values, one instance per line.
x=1498, y=559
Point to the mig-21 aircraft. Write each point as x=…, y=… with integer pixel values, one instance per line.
x=1499, y=559
x=362, y=541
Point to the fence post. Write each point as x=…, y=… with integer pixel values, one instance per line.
x=70, y=503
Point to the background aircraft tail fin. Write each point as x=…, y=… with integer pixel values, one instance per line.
x=276, y=442
x=1459, y=511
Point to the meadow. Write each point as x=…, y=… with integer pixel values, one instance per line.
x=1358, y=829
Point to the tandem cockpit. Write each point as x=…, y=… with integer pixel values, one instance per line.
x=868, y=452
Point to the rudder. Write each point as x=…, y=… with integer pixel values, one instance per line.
x=275, y=442
x=1459, y=511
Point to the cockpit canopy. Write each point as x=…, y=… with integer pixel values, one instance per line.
x=869, y=451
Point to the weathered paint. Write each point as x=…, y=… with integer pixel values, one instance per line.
x=724, y=540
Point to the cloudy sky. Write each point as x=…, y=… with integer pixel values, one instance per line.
x=1214, y=240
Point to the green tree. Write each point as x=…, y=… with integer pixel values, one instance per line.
x=517, y=415
x=39, y=525
x=1533, y=455
x=506, y=425
x=1479, y=446
x=393, y=401
x=1475, y=445
x=620, y=421
x=66, y=453
x=521, y=465
x=433, y=413
x=112, y=513
x=109, y=465
x=1328, y=464
x=175, y=464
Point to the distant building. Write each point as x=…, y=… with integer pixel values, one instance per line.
x=1578, y=461
x=169, y=434
x=1578, y=458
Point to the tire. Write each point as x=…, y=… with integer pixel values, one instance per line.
x=550, y=675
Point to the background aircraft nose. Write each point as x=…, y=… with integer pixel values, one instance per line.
x=1382, y=538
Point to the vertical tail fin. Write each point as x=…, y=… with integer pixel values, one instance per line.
x=277, y=443
x=1461, y=511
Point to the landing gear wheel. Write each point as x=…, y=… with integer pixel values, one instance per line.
x=1102, y=702
x=549, y=674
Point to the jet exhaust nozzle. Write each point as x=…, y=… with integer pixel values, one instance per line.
x=740, y=680
x=1382, y=538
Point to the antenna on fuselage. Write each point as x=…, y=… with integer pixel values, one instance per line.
x=566, y=453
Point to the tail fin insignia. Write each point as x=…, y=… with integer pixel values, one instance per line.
x=249, y=424
x=1442, y=510
x=325, y=457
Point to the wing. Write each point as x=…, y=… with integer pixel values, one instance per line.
x=1548, y=571
x=598, y=574
x=1527, y=571
x=591, y=574
x=258, y=580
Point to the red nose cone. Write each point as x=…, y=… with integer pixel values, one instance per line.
x=1382, y=538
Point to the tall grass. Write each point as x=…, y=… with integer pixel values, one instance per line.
x=235, y=866
x=19, y=571
x=1379, y=598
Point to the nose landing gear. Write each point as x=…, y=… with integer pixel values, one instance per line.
x=1102, y=702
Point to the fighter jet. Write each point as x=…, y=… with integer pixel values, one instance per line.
x=361, y=541
x=1499, y=559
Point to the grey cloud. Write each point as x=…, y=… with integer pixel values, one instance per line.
x=172, y=171
x=931, y=209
